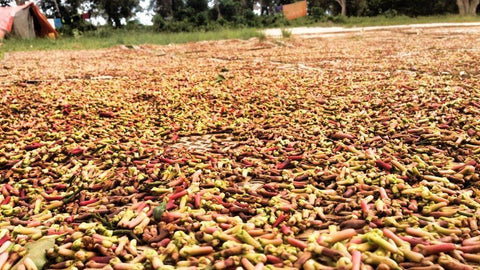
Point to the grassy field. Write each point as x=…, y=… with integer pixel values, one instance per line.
x=397, y=20
x=101, y=39
x=105, y=38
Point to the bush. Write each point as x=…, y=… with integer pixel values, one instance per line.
x=286, y=33
x=222, y=22
x=76, y=27
x=273, y=21
x=201, y=18
x=339, y=19
x=134, y=25
x=180, y=26
x=159, y=23
x=213, y=14
x=317, y=12
x=229, y=9
x=391, y=13
x=232, y=17
x=213, y=26
x=101, y=32
x=249, y=15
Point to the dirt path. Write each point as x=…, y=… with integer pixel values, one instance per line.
x=327, y=31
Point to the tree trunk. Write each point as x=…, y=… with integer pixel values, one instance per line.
x=473, y=7
x=216, y=4
x=264, y=7
x=343, y=5
x=57, y=8
x=118, y=23
x=467, y=7
x=170, y=8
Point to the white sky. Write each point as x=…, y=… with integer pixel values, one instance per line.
x=146, y=16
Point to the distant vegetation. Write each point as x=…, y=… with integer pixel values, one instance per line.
x=193, y=15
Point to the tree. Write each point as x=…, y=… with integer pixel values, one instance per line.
x=66, y=8
x=169, y=9
x=267, y=7
x=467, y=7
x=229, y=9
x=116, y=10
x=217, y=8
x=163, y=8
x=4, y=3
x=197, y=5
x=343, y=4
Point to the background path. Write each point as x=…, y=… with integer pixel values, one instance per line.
x=326, y=31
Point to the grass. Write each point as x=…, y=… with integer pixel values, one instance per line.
x=384, y=21
x=286, y=33
x=105, y=38
x=380, y=20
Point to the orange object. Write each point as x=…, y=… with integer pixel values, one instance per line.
x=295, y=10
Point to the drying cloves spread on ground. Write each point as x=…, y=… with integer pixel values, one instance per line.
x=354, y=151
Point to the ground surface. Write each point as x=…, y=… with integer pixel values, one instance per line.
x=316, y=153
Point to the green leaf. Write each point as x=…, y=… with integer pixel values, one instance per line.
x=220, y=78
x=158, y=211
x=37, y=251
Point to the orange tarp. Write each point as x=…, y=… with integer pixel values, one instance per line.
x=7, y=15
x=295, y=10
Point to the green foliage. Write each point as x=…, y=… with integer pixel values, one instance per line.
x=401, y=19
x=198, y=15
x=159, y=22
x=37, y=251
x=116, y=10
x=317, y=12
x=76, y=26
x=261, y=36
x=158, y=211
x=113, y=10
x=286, y=33
x=67, y=8
x=390, y=13
x=249, y=15
x=230, y=9
x=234, y=16
x=201, y=18
x=339, y=19
x=101, y=32
x=197, y=5
x=410, y=8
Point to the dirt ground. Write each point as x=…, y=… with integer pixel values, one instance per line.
x=283, y=139
x=81, y=64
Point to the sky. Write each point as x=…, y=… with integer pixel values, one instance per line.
x=145, y=17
